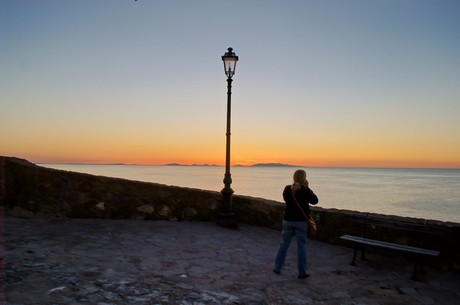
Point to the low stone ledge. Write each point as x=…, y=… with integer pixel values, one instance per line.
x=34, y=191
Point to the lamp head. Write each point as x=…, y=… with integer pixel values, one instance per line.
x=229, y=60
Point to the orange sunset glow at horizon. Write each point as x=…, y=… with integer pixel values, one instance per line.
x=139, y=159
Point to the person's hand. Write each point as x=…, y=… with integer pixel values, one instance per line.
x=305, y=183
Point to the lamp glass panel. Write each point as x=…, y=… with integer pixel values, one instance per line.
x=229, y=64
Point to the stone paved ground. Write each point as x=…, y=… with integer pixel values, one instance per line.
x=83, y=261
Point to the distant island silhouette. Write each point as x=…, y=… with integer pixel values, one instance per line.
x=237, y=165
x=272, y=165
x=180, y=164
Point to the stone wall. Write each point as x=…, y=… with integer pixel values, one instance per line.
x=28, y=190
x=33, y=191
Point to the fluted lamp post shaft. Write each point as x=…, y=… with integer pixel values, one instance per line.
x=227, y=216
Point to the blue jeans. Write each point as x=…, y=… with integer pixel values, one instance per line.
x=299, y=230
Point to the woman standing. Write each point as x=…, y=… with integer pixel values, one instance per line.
x=296, y=196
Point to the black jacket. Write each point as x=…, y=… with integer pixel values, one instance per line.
x=304, y=196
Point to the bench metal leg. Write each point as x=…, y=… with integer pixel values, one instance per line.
x=414, y=276
x=418, y=268
x=353, y=263
x=363, y=258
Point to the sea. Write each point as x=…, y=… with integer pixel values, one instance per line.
x=430, y=194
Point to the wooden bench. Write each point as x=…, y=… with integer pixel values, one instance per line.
x=359, y=242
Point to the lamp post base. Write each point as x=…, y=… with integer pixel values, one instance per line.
x=227, y=221
x=227, y=218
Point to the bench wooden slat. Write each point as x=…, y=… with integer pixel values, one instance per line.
x=389, y=245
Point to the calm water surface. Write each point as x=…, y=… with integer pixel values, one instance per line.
x=420, y=193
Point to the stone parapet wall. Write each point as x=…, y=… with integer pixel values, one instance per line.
x=33, y=191
x=28, y=190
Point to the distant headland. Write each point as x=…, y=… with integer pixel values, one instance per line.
x=237, y=165
x=194, y=164
x=273, y=165
x=179, y=164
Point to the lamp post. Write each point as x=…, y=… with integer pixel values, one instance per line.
x=226, y=216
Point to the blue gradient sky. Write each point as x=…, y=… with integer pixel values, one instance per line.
x=319, y=83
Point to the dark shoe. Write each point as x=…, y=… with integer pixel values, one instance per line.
x=276, y=271
x=303, y=276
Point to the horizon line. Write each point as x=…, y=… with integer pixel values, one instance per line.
x=261, y=164
x=243, y=165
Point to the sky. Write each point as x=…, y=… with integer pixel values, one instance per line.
x=356, y=83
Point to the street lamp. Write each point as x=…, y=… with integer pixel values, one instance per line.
x=226, y=216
